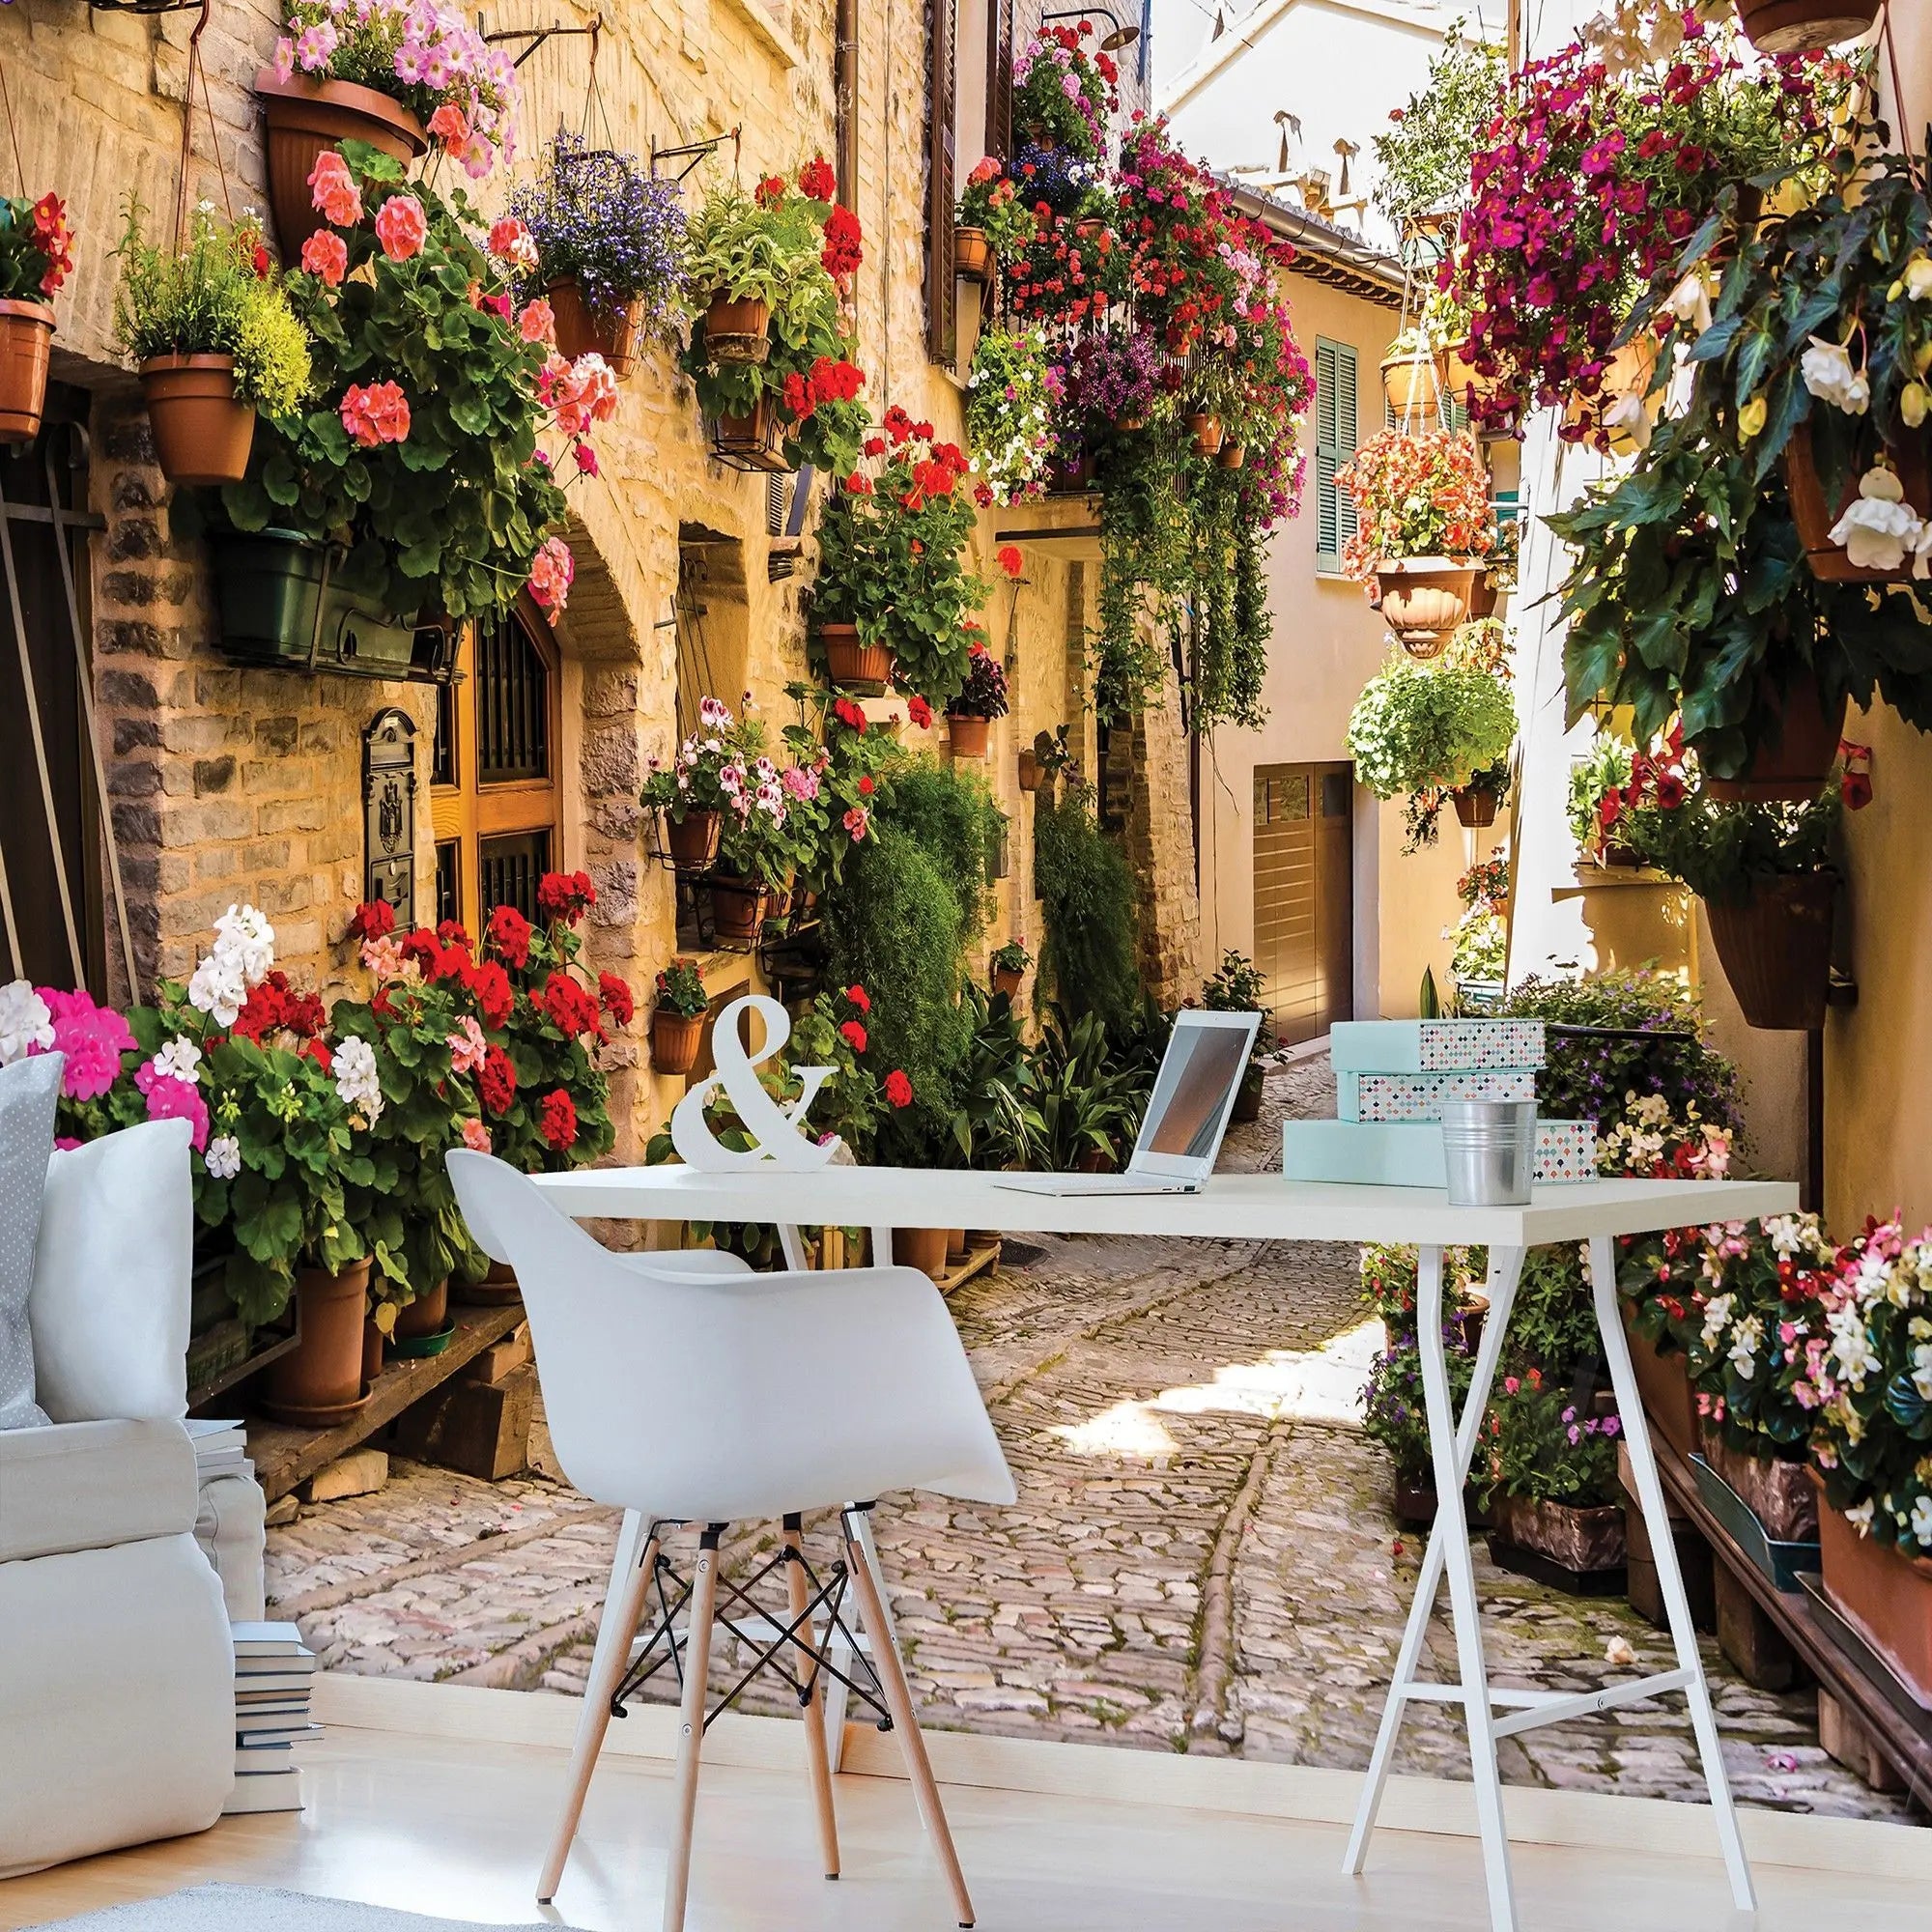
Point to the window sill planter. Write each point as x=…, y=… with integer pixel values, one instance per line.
x=854, y=665
x=1780, y=1493
x=1776, y=950
x=1578, y=1550
x=1424, y=599
x=972, y=255
x=737, y=331
x=674, y=1041
x=690, y=843
x=1803, y=26
x=1831, y=562
x=613, y=333
x=26, y=347
x=968, y=735
x=1794, y=766
x=319, y=1383
x=203, y=432
x=1475, y=805
x=304, y=117
x=1885, y=1595
x=1665, y=1384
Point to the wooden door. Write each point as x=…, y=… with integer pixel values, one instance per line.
x=1304, y=895
x=493, y=792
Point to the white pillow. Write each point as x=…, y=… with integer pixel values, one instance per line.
x=112, y=1277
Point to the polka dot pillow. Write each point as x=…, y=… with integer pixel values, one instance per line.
x=28, y=1091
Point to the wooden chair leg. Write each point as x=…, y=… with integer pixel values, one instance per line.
x=869, y=1587
x=691, y=1726
x=797, y=1594
x=624, y=1605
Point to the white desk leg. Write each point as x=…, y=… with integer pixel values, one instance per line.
x=882, y=1247
x=1505, y=1272
x=1663, y=1554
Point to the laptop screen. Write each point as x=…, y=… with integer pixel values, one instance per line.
x=1202, y=1066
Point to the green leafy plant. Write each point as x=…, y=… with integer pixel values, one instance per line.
x=1726, y=851
x=992, y=203
x=1423, y=161
x=1011, y=957
x=680, y=987
x=1601, y=773
x=1237, y=985
x=1543, y=1445
x=1418, y=727
x=1089, y=950
x=221, y=295
x=952, y=814
x=36, y=248
x=1009, y=412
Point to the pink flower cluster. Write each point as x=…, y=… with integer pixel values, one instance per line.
x=553, y=571
x=578, y=394
x=93, y=1039
x=374, y=413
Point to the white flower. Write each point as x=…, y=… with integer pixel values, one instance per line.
x=1860, y=1518
x=244, y=935
x=1828, y=372
x=1921, y=1369
x=223, y=1158
x=179, y=1060
x=1629, y=415
x=218, y=989
x=1851, y=1344
x=1922, y=1521
x=356, y=1079
x=1745, y=1345
x=1878, y=527
x=1917, y=278
x=1689, y=301
x=1716, y=1317
x=26, y=1024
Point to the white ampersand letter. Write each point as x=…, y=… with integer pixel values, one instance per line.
x=777, y=1131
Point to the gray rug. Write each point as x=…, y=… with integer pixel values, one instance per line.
x=248, y=1908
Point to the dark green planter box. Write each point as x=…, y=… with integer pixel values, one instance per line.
x=270, y=584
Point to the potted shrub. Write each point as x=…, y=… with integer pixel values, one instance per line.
x=216, y=340
x=1009, y=963
x=991, y=223
x=677, y=1019
x=1429, y=731
x=1871, y=1428
x=1552, y=1483
x=693, y=793
x=604, y=243
x=419, y=455
x=893, y=595
x=1237, y=986
x=1423, y=527
x=35, y=258
x=393, y=73
x=982, y=699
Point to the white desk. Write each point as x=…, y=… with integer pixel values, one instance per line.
x=1259, y=1206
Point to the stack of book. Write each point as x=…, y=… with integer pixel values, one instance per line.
x=1393, y=1079
x=275, y=1672
x=220, y=1449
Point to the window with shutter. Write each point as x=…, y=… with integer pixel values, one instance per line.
x=1335, y=433
x=999, y=78
x=941, y=110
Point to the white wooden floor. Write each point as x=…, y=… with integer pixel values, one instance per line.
x=455, y=1828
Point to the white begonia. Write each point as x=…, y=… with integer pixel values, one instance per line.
x=179, y=1060
x=1921, y=1369
x=244, y=935
x=1828, y=372
x=1851, y=1344
x=1716, y=1318
x=1879, y=526
x=1745, y=1345
x=356, y=1080
x=1922, y=1521
x=1689, y=301
x=1629, y=417
x=1861, y=1516
x=25, y=1023
x=218, y=989
x=223, y=1158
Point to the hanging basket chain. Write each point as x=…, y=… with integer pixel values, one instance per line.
x=12, y=133
x=194, y=67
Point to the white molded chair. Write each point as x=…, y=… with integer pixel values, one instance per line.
x=722, y=1396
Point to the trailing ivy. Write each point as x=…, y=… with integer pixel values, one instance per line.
x=1089, y=954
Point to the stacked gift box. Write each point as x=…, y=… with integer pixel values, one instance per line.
x=1393, y=1078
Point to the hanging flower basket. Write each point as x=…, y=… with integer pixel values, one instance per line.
x=1776, y=947
x=1414, y=382
x=203, y=431
x=854, y=665
x=1207, y=432
x=737, y=331
x=304, y=117
x=1796, y=764
x=972, y=255
x=1423, y=598
x=969, y=735
x=1475, y=804
x=26, y=346
x=1803, y=26
x=674, y=1041
x=1885, y=1593
x=1831, y=562
x=582, y=329
x=1232, y=455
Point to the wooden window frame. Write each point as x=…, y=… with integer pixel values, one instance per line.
x=942, y=113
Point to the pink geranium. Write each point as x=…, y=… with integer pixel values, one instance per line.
x=467, y=1045
x=553, y=571
x=538, y=323
x=93, y=1038
x=325, y=255
x=333, y=190
x=375, y=414
x=172, y=1099
x=401, y=226
x=449, y=125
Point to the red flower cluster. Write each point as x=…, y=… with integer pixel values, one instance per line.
x=274, y=1007
x=829, y=381
x=816, y=180
x=557, y=1119
x=509, y=936
x=770, y=191
x=571, y=1008
x=54, y=239
x=490, y=987
x=1655, y=778
x=496, y=1082
x=848, y=714
x=565, y=896
x=375, y=919
x=853, y=1034
x=614, y=995
x=860, y=998
x=842, y=252
x=899, y=1089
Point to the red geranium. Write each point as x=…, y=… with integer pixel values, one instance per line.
x=816, y=179
x=842, y=254
x=570, y=1007
x=614, y=995
x=496, y=1081
x=557, y=1121
x=854, y=1036
x=374, y=919
x=899, y=1089
x=860, y=998
x=490, y=987
x=565, y=896
x=509, y=935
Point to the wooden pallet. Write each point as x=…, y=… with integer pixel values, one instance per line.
x=286, y=1454
x=978, y=1260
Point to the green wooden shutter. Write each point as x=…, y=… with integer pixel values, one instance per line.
x=1335, y=432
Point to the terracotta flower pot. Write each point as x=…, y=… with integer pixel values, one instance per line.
x=737, y=910
x=1482, y=596
x=955, y=1246
x=1090, y=228
x=372, y=1352
x=674, y=1040
x=692, y=839
x=1095, y=1161
x=1007, y=979
x=920, y=1248
x=498, y=1289
x=1795, y=765
x=203, y=432
x=969, y=735
x=613, y=333
x=26, y=346
x=320, y=1381
x=1232, y=455
x=1665, y=1384
x=1815, y=517
x=302, y=118
x=852, y=663
x=1414, y=382
x=1775, y=948
x=1581, y=1540
x=1885, y=1594
x=1780, y=1494
x=972, y=255
x=1475, y=805
x=1424, y=599
x=427, y=1314
x=752, y=442
x=1800, y=27
x=736, y=331
x=1030, y=773
x=1207, y=432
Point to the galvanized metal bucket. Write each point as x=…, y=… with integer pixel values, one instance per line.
x=1489, y=1149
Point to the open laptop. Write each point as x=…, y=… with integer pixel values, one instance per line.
x=1181, y=1135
